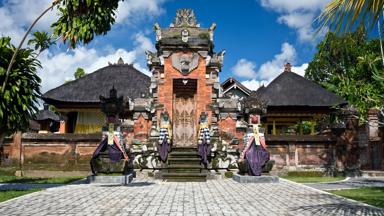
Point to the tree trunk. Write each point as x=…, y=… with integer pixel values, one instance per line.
x=22, y=42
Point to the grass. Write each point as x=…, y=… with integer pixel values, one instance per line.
x=9, y=194
x=33, y=180
x=369, y=195
x=311, y=177
x=7, y=176
x=301, y=179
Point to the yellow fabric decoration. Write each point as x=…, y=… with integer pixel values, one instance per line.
x=89, y=122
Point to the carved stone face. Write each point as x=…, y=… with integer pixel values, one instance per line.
x=185, y=63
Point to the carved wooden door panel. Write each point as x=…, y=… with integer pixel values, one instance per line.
x=184, y=131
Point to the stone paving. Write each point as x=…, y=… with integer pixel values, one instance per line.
x=350, y=183
x=214, y=197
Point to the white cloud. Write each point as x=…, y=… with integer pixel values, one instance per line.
x=137, y=9
x=300, y=69
x=298, y=14
x=272, y=68
x=60, y=67
x=294, y=5
x=244, y=68
x=254, y=84
x=17, y=15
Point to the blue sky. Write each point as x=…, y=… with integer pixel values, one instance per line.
x=258, y=35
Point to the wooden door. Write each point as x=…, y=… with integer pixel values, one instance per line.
x=184, y=130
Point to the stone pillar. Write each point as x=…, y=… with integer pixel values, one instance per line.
x=292, y=155
x=373, y=124
x=16, y=151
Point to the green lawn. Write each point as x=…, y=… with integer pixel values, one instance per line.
x=370, y=195
x=7, y=176
x=32, y=180
x=9, y=194
x=313, y=179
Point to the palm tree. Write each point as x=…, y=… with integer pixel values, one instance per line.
x=342, y=15
x=41, y=41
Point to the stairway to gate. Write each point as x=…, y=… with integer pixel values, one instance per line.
x=183, y=165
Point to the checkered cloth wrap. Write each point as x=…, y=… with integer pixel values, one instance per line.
x=164, y=145
x=204, y=135
x=163, y=135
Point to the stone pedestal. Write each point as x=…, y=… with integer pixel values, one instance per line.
x=120, y=180
x=255, y=179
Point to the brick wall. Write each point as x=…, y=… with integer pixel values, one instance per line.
x=142, y=128
x=50, y=151
x=300, y=151
x=227, y=130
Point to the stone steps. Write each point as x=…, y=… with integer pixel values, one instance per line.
x=183, y=165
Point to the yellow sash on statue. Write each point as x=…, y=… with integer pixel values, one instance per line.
x=202, y=126
x=169, y=129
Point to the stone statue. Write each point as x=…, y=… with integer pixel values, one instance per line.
x=204, y=144
x=165, y=136
x=255, y=154
x=111, y=154
x=157, y=31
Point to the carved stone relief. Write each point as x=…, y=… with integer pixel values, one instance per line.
x=185, y=63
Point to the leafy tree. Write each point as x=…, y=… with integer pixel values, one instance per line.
x=79, y=21
x=79, y=73
x=18, y=102
x=343, y=15
x=350, y=66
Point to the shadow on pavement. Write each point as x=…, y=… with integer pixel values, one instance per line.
x=341, y=207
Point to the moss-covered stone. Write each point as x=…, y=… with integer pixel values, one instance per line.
x=228, y=174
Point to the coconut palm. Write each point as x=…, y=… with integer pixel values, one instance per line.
x=41, y=41
x=342, y=15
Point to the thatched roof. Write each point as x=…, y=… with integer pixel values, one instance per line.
x=128, y=81
x=291, y=89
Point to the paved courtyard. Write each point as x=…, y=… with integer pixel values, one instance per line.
x=215, y=197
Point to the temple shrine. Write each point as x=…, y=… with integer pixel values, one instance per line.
x=182, y=123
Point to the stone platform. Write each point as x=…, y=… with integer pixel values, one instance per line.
x=255, y=179
x=119, y=180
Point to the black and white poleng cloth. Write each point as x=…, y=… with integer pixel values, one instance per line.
x=204, y=135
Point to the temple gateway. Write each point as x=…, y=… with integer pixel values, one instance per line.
x=183, y=124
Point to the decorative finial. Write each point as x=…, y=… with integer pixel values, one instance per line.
x=287, y=67
x=120, y=61
x=185, y=18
